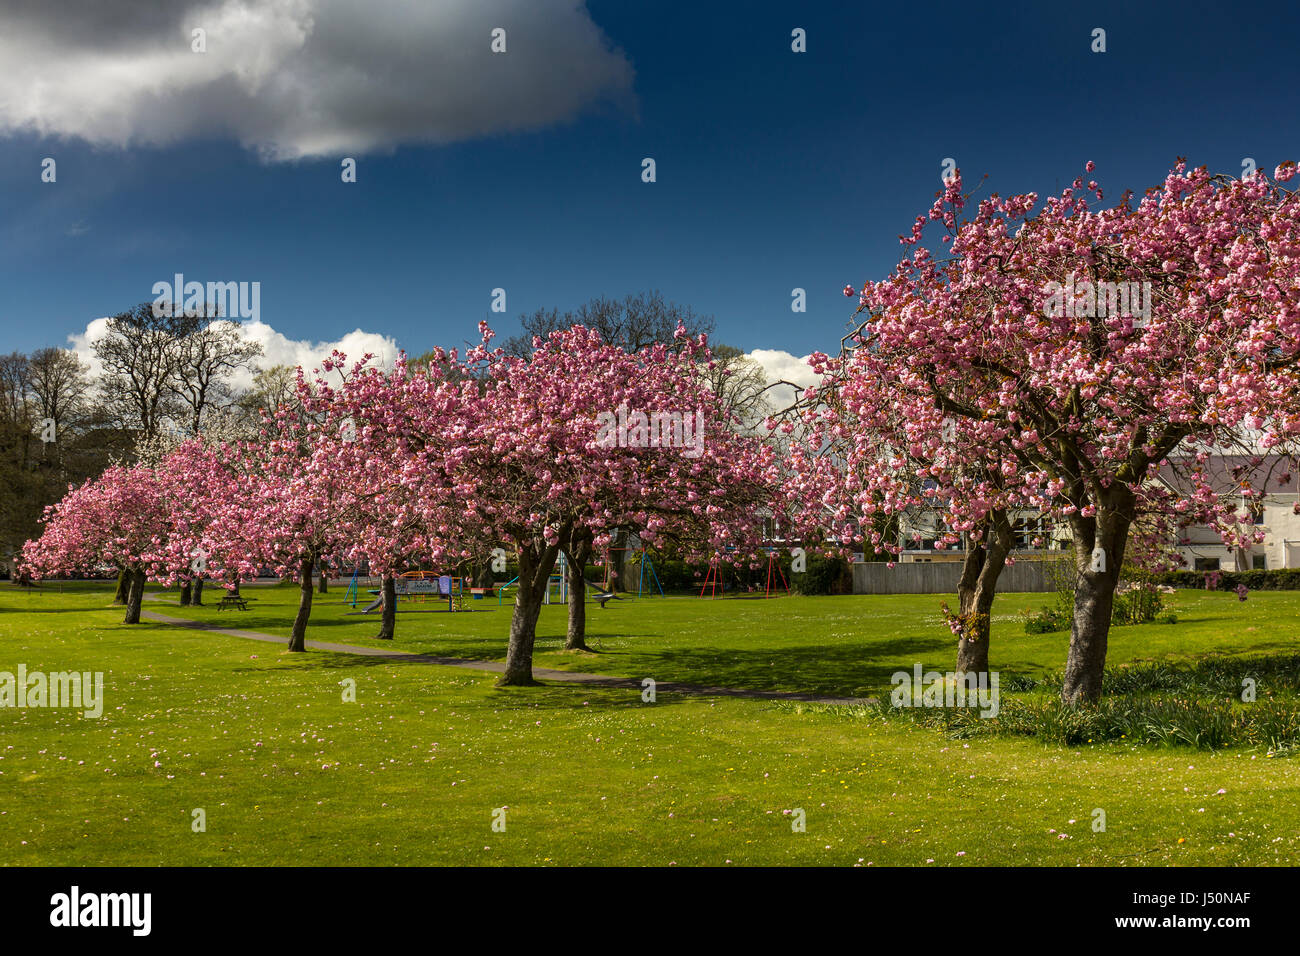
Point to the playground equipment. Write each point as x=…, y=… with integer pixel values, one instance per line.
x=774, y=564
x=712, y=578
x=419, y=586
x=560, y=581
x=557, y=584
x=501, y=591
x=644, y=563
x=353, y=592
x=775, y=575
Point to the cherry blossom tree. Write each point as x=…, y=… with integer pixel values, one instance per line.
x=119, y=519
x=282, y=509
x=1092, y=345
x=389, y=437
x=195, y=462
x=865, y=448
x=585, y=437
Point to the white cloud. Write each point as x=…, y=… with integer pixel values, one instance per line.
x=780, y=365
x=301, y=78
x=277, y=348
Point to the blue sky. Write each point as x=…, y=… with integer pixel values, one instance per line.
x=775, y=170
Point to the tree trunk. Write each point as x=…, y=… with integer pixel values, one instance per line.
x=324, y=579
x=576, y=558
x=185, y=594
x=535, y=564
x=976, y=590
x=123, y=593
x=135, y=598
x=388, y=621
x=198, y=591
x=298, y=636
x=1094, y=592
x=617, y=561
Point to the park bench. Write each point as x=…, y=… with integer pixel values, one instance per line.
x=232, y=600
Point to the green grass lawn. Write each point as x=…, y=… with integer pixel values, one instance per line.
x=287, y=772
x=843, y=646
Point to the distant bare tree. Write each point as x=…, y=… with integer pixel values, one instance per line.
x=15, y=396
x=739, y=381
x=141, y=354
x=632, y=322
x=210, y=350
x=60, y=388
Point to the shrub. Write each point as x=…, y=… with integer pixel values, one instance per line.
x=1137, y=602
x=1050, y=619
x=825, y=575
x=1140, y=604
x=1279, y=579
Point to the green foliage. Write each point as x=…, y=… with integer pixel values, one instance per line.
x=1157, y=704
x=1137, y=602
x=1141, y=604
x=1279, y=579
x=1050, y=620
x=1058, y=615
x=825, y=575
x=1271, y=726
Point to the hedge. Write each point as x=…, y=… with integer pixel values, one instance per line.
x=1279, y=579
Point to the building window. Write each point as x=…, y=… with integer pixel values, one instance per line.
x=1027, y=530
x=1207, y=564
x=1259, y=562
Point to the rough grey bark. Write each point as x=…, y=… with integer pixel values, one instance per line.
x=135, y=597
x=617, y=561
x=576, y=555
x=482, y=573
x=535, y=564
x=388, y=620
x=975, y=592
x=1094, y=592
x=298, y=636
x=123, y=593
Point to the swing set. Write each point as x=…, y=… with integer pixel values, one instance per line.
x=775, y=575
x=644, y=563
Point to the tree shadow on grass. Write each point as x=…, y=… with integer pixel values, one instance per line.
x=556, y=696
x=546, y=694
x=547, y=644
x=63, y=610
x=842, y=670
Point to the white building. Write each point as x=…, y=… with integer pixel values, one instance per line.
x=1273, y=513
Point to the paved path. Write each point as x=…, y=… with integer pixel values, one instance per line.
x=497, y=667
